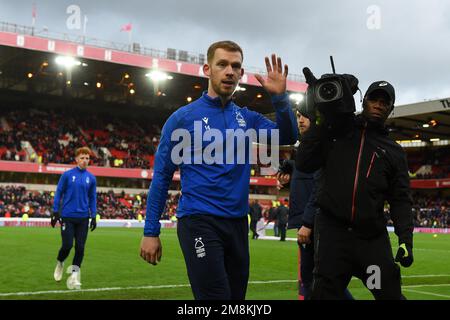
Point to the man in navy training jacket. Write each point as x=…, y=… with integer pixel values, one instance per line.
x=212, y=211
x=77, y=189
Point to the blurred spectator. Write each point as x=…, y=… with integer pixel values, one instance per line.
x=16, y=200
x=429, y=212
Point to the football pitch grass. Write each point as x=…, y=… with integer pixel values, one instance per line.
x=113, y=269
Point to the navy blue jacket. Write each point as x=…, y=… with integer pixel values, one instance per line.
x=302, y=197
x=214, y=188
x=78, y=191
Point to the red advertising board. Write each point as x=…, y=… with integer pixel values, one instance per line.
x=148, y=174
x=430, y=183
x=104, y=171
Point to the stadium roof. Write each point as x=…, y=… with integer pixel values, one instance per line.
x=111, y=74
x=421, y=121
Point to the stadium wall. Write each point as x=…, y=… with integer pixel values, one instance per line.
x=119, y=223
x=50, y=188
x=37, y=168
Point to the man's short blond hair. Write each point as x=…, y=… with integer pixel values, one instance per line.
x=226, y=45
x=83, y=150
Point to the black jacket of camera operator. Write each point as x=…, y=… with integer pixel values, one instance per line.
x=362, y=168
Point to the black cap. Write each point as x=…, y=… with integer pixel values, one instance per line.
x=383, y=86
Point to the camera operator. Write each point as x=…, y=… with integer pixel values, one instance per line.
x=361, y=169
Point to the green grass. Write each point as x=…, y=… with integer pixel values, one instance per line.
x=28, y=257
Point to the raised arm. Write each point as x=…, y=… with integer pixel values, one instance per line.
x=275, y=85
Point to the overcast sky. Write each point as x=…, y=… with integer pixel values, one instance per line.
x=406, y=42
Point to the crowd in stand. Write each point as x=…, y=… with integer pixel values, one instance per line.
x=429, y=212
x=54, y=138
x=443, y=174
x=122, y=142
x=16, y=201
x=112, y=206
x=13, y=150
x=437, y=161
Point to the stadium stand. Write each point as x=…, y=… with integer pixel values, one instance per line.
x=17, y=200
x=429, y=164
x=52, y=138
x=43, y=119
x=429, y=212
x=123, y=143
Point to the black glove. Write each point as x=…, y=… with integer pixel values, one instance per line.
x=55, y=217
x=404, y=255
x=93, y=224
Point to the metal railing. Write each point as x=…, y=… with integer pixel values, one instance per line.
x=136, y=48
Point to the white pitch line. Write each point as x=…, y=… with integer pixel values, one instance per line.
x=425, y=249
x=419, y=276
x=427, y=285
x=427, y=276
x=32, y=293
x=428, y=293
